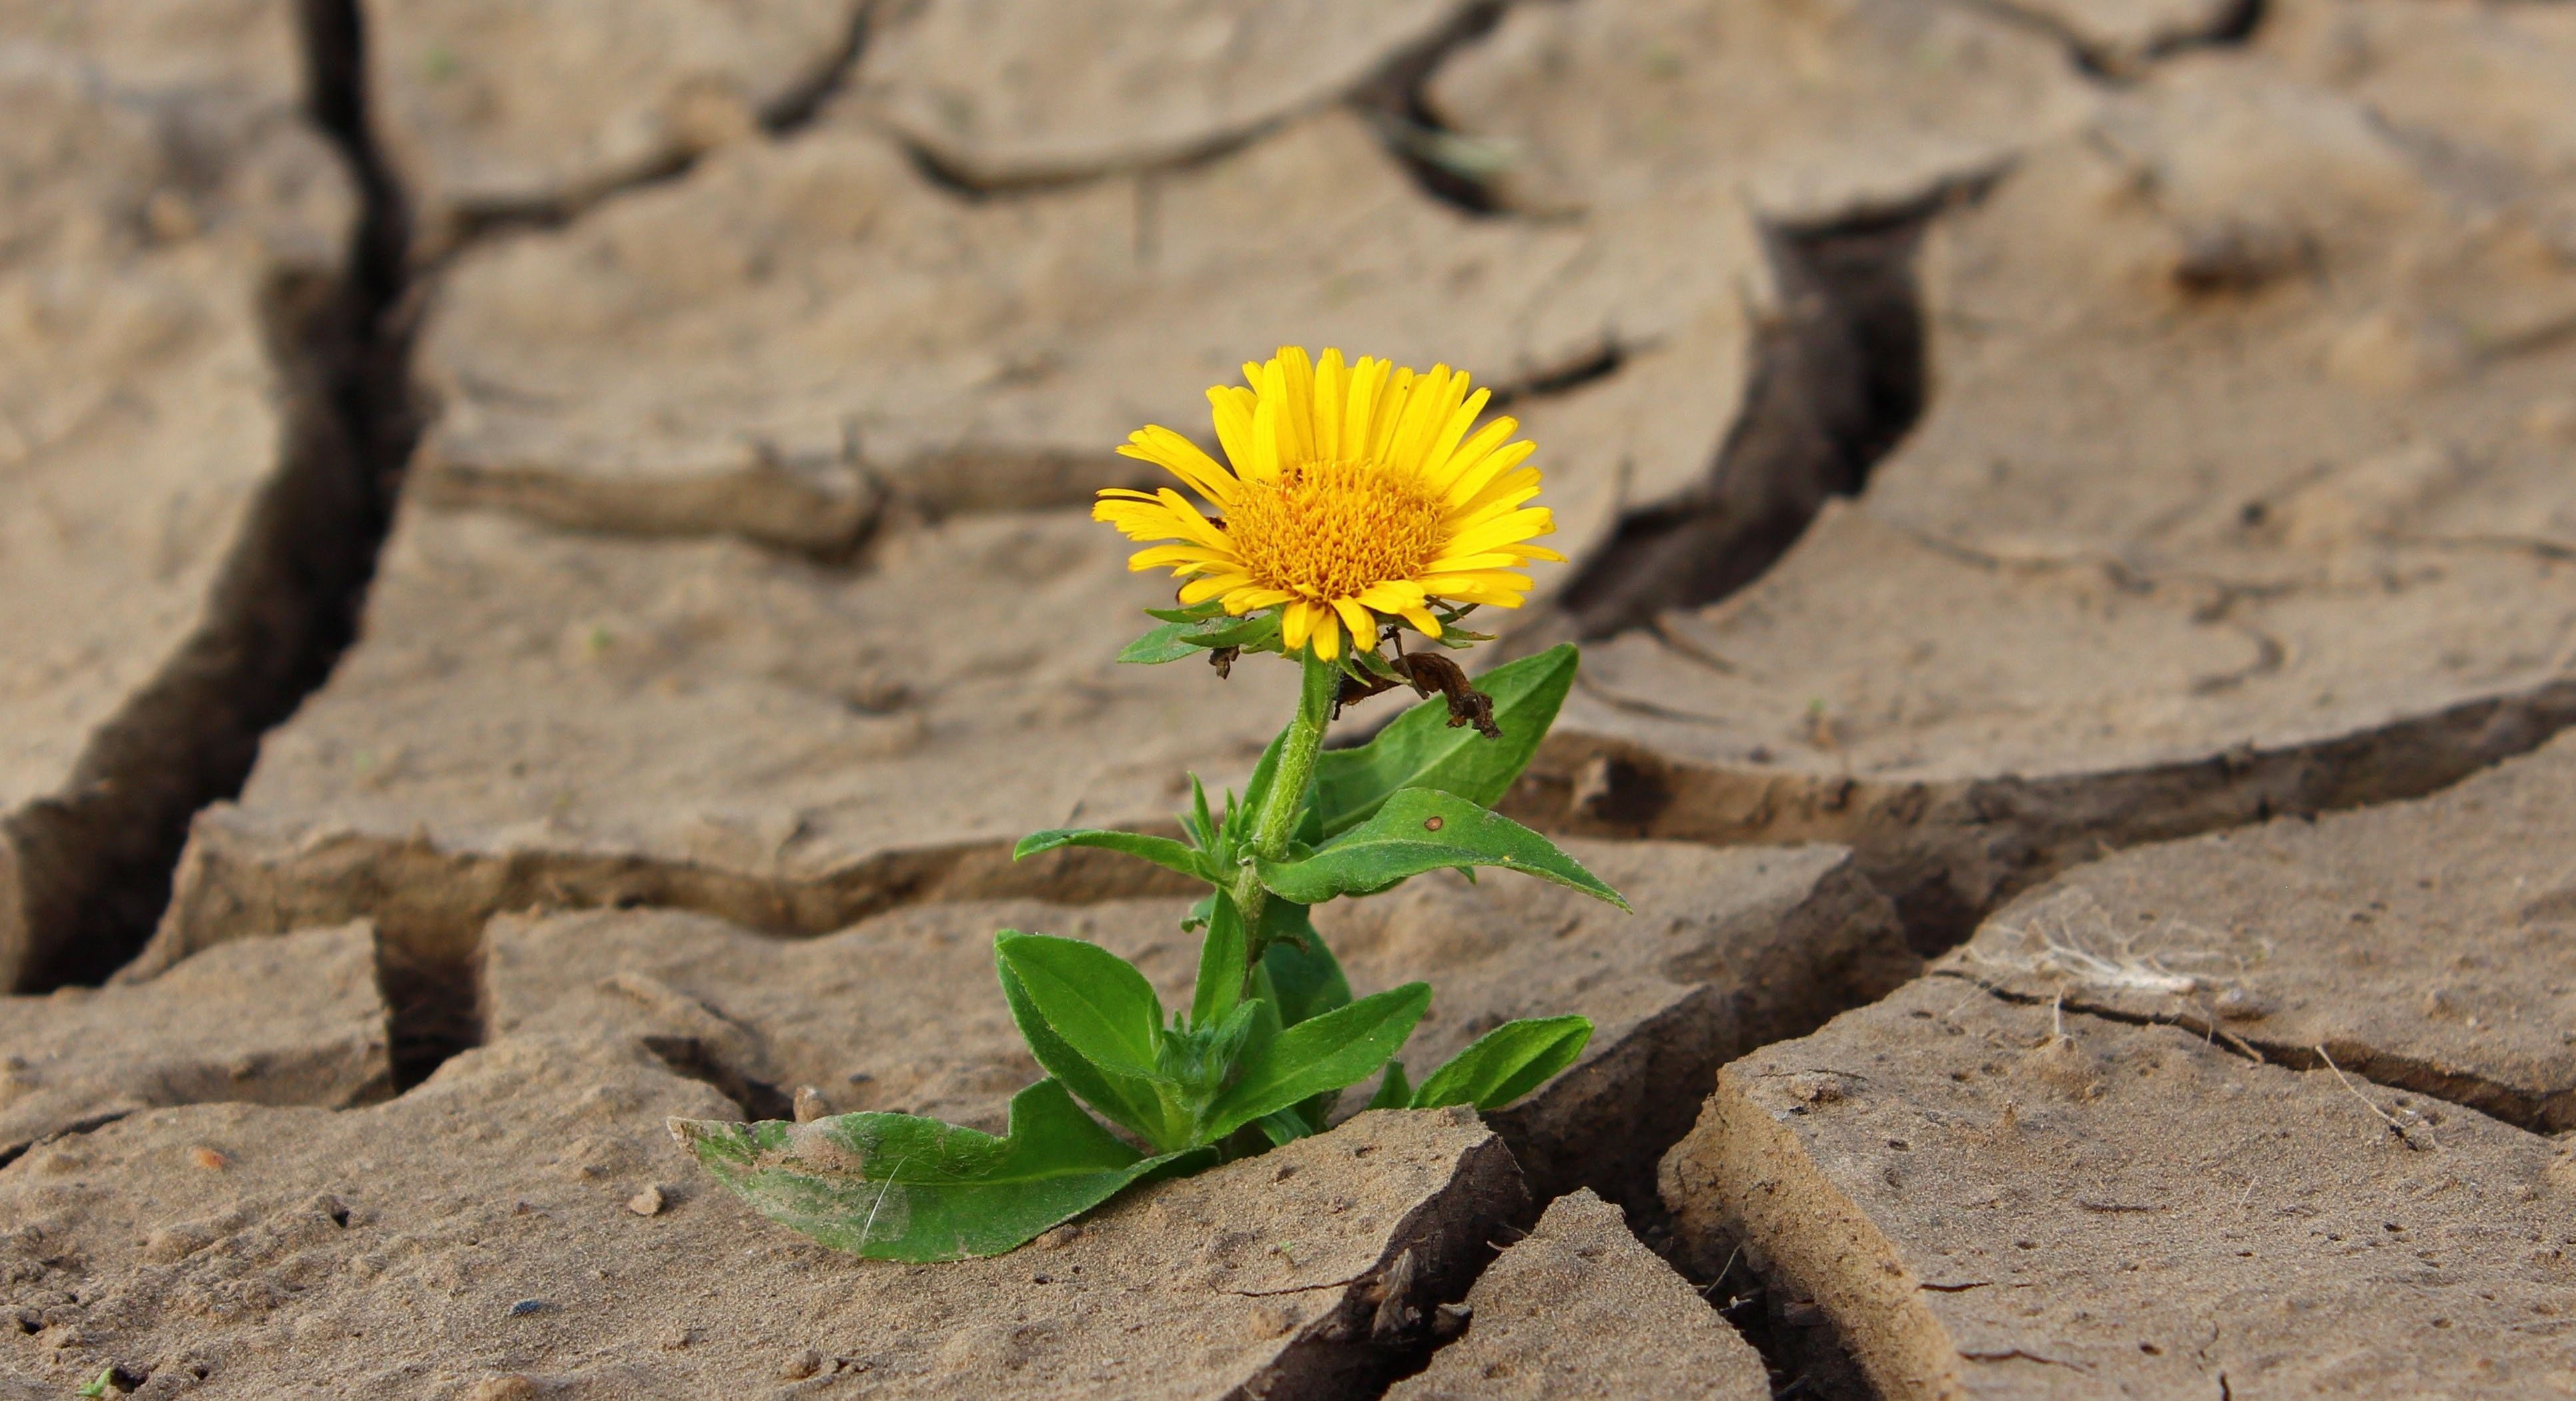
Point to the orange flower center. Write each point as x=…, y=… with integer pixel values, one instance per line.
x=1330, y=530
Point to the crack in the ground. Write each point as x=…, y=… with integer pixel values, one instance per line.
x=89, y=1124
x=1446, y=164
x=791, y=112
x=1801, y=1348
x=365, y=372
x=2106, y=64
x=2522, y=1108
x=284, y=606
x=1390, y=97
x=1951, y=851
x=687, y=1056
x=1838, y=380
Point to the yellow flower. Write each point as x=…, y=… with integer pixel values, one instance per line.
x=1356, y=491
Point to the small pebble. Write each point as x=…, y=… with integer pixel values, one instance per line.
x=810, y=1104
x=208, y=1159
x=800, y=1365
x=509, y=1388
x=526, y=1306
x=1814, y=1088
x=646, y=1203
x=676, y=1337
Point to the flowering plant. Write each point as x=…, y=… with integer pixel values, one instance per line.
x=1358, y=508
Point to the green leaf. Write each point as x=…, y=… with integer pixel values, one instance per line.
x=1196, y=1061
x=1256, y=789
x=1207, y=608
x=1175, y=640
x=1162, y=851
x=896, y=1187
x=1392, y=1092
x=1421, y=750
x=1221, y=964
x=1128, y=1099
x=1094, y=999
x=1304, y=975
x=1285, y=1127
x=1202, y=827
x=1505, y=1063
x=1422, y=829
x=1339, y=1048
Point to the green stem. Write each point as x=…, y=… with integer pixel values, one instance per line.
x=1276, y=822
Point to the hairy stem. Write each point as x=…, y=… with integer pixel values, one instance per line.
x=1276, y=822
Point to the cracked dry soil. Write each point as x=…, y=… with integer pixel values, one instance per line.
x=542, y=567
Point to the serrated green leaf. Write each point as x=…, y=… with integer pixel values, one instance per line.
x=896, y=1187
x=1505, y=1063
x=1162, y=851
x=1339, y=1048
x=1130, y=1100
x=1222, y=964
x=1422, y=829
x=1392, y=1092
x=1420, y=749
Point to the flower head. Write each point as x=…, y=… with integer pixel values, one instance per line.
x=1354, y=491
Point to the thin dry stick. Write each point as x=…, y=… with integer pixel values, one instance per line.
x=2384, y=1116
x=1721, y=1271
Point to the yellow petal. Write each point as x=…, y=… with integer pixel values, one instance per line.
x=1296, y=406
x=1423, y=415
x=1264, y=466
x=1328, y=633
x=1389, y=415
x=1392, y=595
x=1183, y=459
x=1363, y=627
x=1331, y=395
x=1187, y=556
x=1199, y=591
x=1231, y=409
x=1295, y=622
x=1468, y=564
x=1244, y=600
x=1446, y=440
x=1471, y=452
x=1193, y=525
x=1497, y=462
x=1368, y=380
x=1504, y=530
x=1507, y=492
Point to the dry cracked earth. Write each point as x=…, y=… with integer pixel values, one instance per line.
x=542, y=565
